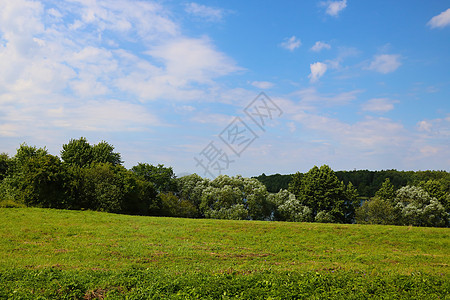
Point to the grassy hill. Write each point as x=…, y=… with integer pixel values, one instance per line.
x=92, y=255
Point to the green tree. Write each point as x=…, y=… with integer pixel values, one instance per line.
x=37, y=178
x=101, y=189
x=296, y=184
x=162, y=177
x=320, y=190
x=288, y=208
x=376, y=211
x=79, y=152
x=172, y=206
x=139, y=196
x=352, y=202
x=418, y=208
x=190, y=188
x=229, y=195
x=105, y=187
x=437, y=188
x=104, y=153
x=4, y=165
x=386, y=191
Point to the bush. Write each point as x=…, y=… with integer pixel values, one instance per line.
x=376, y=211
x=235, y=212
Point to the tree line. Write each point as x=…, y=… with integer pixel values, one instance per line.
x=92, y=177
x=366, y=182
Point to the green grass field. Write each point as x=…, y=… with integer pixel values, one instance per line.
x=60, y=254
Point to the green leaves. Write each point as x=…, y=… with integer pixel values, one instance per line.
x=80, y=153
x=328, y=198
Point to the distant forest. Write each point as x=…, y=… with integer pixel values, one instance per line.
x=366, y=182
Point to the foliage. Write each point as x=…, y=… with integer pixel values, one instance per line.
x=91, y=177
x=366, y=182
x=190, y=188
x=80, y=153
x=276, y=182
x=235, y=212
x=386, y=191
x=225, y=192
x=418, y=208
x=162, y=177
x=320, y=190
x=296, y=183
x=439, y=189
x=376, y=211
x=4, y=165
x=288, y=208
x=35, y=179
x=105, y=187
x=173, y=206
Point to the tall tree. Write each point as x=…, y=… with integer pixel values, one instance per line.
x=80, y=153
x=386, y=191
x=162, y=177
x=77, y=152
x=321, y=191
x=37, y=178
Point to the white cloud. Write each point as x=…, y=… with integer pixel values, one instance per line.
x=318, y=69
x=311, y=99
x=262, y=84
x=424, y=126
x=205, y=12
x=291, y=43
x=333, y=8
x=71, y=68
x=193, y=59
x=220, y=120
x=385, y=63
x=441, y=20
x=318, y=46
x=378, y=105
x=109, y=115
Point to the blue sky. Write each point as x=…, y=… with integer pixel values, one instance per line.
x=359, y=84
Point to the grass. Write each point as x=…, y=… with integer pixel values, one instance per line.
x=92, y=255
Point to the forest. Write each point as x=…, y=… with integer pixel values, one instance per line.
x=92, y=177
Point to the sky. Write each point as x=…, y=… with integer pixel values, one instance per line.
x=231, y=87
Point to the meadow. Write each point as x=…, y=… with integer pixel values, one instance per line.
x=62, y=254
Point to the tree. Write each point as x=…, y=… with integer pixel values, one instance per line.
x=190, y=188
x=172, y=206
x=296, y=184
x=418, y=208
x=276, y=182
x=36, y=178
x=320, y=190
x=103, y=153
x=438, y=189
x=288, y=208
x=351, y=202
x=376, y=211
x=386, y=191
x=79, y=152
x=101, y=189
x=227, y=195
x=162, y=177
x=105, y=187
x=4, y=165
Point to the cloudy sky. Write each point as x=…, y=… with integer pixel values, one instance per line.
x=351, y=84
